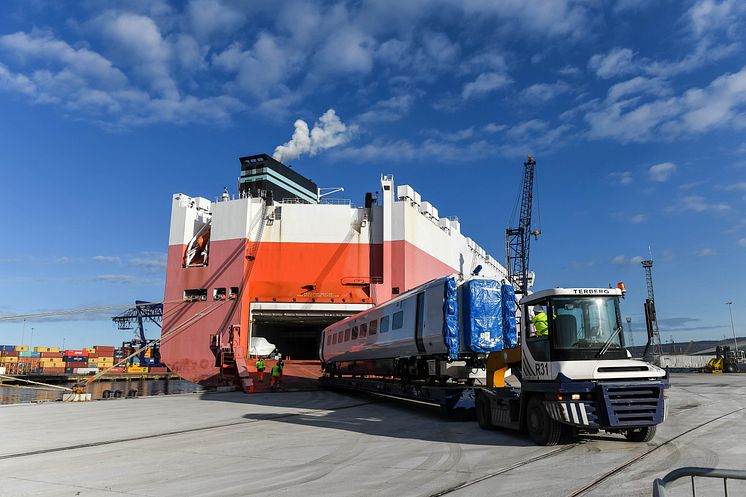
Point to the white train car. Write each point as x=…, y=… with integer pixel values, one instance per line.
x=442, y=329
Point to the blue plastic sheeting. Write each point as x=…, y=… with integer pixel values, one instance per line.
x=483, y=316
x=510, y=333
x=450, y=318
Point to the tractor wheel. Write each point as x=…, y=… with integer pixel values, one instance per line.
x=543, y=429
x=644, y=434
x=484, y=412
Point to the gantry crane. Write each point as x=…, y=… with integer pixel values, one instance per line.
x=135, y=317
x=518, y=239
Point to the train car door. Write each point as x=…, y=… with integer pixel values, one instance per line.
x=419, y=324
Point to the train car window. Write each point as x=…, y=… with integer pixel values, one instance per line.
x=334, y=339
x=347, y=335
x=354, y=332
x=340, y=337
x=373, y=327
x=398, y=320
x=363, y=330
x=384, y=324
x=328, y=339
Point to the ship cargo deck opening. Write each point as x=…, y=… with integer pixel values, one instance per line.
x=295, y=332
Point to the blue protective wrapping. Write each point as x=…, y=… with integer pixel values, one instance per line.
x=483, y=326
x=510, y=333
x=450, y=318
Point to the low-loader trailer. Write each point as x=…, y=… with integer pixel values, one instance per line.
x=568, y=372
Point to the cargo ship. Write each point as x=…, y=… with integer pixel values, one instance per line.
x=280, y=260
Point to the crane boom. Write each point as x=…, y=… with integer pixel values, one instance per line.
x=518, y=239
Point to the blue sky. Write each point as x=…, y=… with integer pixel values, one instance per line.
x=635, y=111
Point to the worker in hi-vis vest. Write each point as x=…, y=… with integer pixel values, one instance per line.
x=540, y=322
x=260, y=367
x=276, y=376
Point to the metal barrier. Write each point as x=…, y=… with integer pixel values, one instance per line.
x=659, y=485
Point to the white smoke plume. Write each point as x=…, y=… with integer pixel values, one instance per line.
x=329, y=131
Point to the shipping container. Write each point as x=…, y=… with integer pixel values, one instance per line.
x=46, y=349
x=118, y=369
x=9, y=360
x=21, y=348
x=53, y=370
x=80, y=353
x=103, y=348
x=2, y=369
x=85, y=370
x=26, y=353
x=7, y=348
x=74, y=358
x=159, y=369
x=52, y=363
x=56, y=355
x=136, y=369
x=9, y=353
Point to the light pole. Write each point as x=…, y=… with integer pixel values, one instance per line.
x=31, y=342
x=732, y=327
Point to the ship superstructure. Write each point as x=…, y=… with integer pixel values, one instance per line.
x=281, y=263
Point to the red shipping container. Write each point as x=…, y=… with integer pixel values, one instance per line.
x=53, y=370
x=158, y=369
x=56, y=355
x=117, y=370
x=76, y=364
x=103, y=348
x=9, y=353
x=81, y=353
x=92, y=354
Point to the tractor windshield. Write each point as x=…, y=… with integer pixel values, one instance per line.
x=587, y=327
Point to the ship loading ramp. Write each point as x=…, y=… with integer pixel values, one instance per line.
x=295, y=328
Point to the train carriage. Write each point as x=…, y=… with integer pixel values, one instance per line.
x=442, y=329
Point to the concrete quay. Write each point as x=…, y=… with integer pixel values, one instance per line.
x=332, y=444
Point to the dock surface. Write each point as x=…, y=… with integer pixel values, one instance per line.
x=331, y=444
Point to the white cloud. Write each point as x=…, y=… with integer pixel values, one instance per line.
x=82, y=62
x=742, y=242
x=388, y=110
x=107, y=258
x=149, y=262
x=621, y=178
x=484, y=84
x=661, y=172
x=706, y=252
x=137, y=40
x=698, y=110
x=637, y=218
x=116, y=278
x=617, y=62
x=568, y=71
x=739, y=186
x=329, y=131
x=88, y=85
x=711, y=15
x=558, y=18
x=697, y=203
x=348, y=50
x=543, y=92
x=494, y=127
x=213, y=17
x=621, y=260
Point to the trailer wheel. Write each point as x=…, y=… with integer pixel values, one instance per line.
x=484, y=412
x=644, y=434
x=543, y=429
